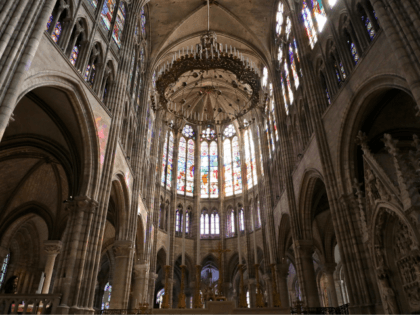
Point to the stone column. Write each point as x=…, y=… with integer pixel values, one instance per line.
x=267, y=281
x=122, y=251
x=329, y=272
x=141, y=278
x=52, y=249
x=252, y=296
x=282, y=273
x=152, y=281
x=306, y=275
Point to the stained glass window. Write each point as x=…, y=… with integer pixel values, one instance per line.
x=214, y=187
x=164, y=160
x=343, y=72
x=49, y=23
x=57, y=32
x=204, y=170
x=94, y=3
x=107, y=296
x=280, y=52
x=241, y=220
x=202, y=224
x=267, y=134
x=107, y=13
x=119, y=24
x=332, y=3
x=309, y=25
x=188, y=131
x=279, y=18
x=143, y=22
x=177, y=221
x=288, y=27
x=170, y=160
x=4, y=269
x=289, y=86
x=273, y=115
x=232, y=221
x=181, y=222
x=296, y=49
x=319, y=13
x=159, y=297
x=208, y=134
x=265, y=77
x=216, y=224
x=213, y=224
x=206, y=224
x=353, y=51
x=90, y=74
x=283, y=90
x=190, y=168
x=182, y=155
x=261, y=156
x=293, y=65
x=237, y=176
x=251, y=172
x=187, y=222
x=74, y=55
x=228, y=167
x=369, y=27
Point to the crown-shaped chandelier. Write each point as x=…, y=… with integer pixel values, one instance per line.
x=209, y=83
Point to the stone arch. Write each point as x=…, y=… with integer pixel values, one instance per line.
x=358, y=106
x=121, y=196
x=310, y=179
x=90, y=151
x=284, y=231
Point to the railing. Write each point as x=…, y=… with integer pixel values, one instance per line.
x=343, y=309
x=29, y=303
x=124, y=311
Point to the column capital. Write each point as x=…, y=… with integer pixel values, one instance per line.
x=122, y=248
x=83, y=203
x=153, y=276
x=305, y=247
x=140, y=270
x=52, y=248
x=329, y=268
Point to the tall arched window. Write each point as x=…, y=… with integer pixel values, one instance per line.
x=209, y=164
x=258, y=222
x=93, y=63
x=279, y=18
x=267, y=134
x=289, y=86
x=187, y=221
x=178, y=221
x=164, y=160
x=272, y=117
x=261, y=155
x=209, y=224
x=264, y=77
x=143, y=22
x=119, y=24
x=167, y=160
x=4, y=269
x=185, y=177
x=283, y=90
x=309, y=25
x=232, y=221
x=319, y=13
x=241, y=220
x=293, y=65
x=107, y=13
x=107, y=296
x=367, y=21
x=232, y=162
x=251, y=169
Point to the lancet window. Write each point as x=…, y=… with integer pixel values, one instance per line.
x=209, y=164
x=251, y=169
x=209, y=224
x=107, y=296
x=186, y=149
x=119, y=24
x=232, y=162
x=167, y=160
x=241, y=220
x=3, y=270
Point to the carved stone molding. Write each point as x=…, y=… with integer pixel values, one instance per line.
x=82, y=203
x=140, y=271
x=52, y=247
x=122, y=248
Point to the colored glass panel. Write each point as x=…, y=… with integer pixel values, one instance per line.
x=289, y=86
x=204, y=170
x=188, y=131
x=107, y=13
x=164, y=160
x=94, y=3
x=214, y=187
x=265, y=77
x=369, y=27
x=107, y=296
x=237, y=176
x=296, y=49
x=74, y=55
x=280, y=53
x=353, y=51
x=143, y=22
x=213, y=224
x=279, y=18
x=170, y=161
x=190, y=168
x=267, y=134
x=228, y=167
x=261, y=157
x=4, y=269
x=229, y=131
x=283, y=90
x=182, y=155
x=343, y=72
x=206, y=224
x=248, y=164
x=119, y=24
x=319, y=13
x=177, y=221
x=187, y=222
x=202, y=224
x=208, y=134
x=258, y=214
x=57, y=32
x=273, y=115
x=241, y=220
x=232, y=221
x=293, y=65
x=309, y=25
x=253, y=161
x=288, y=27
x=49, y=23
x=216, y=224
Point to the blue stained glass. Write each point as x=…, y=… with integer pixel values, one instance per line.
x=57, y=32
x=107, y=296
x=190, y=168
x=170, y=161
x=228, y=167
x=343, y=72
x=237, y=176
x=94, y=3
x=4, y=269
x=354, y=53
x=309, y=25
x=49, y=22
x=319, y=13
x=182, y=154
x=328, y=96
x=74, y=55
x=143, y=22
x=369, y=27
x=164, y=160
x=107, y=13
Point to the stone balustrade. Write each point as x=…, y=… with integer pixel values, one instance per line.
x=29, y=303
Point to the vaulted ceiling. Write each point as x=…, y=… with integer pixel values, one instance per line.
x=245, y=24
